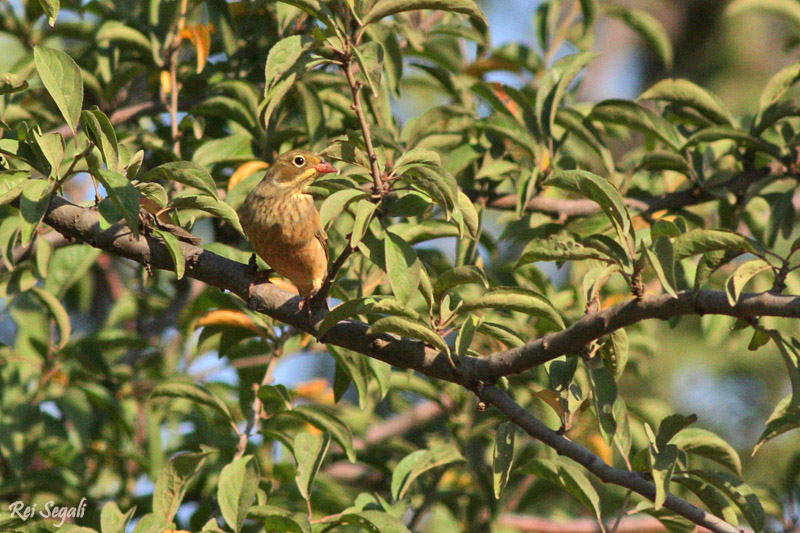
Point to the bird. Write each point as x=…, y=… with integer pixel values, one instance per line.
x=282, y=223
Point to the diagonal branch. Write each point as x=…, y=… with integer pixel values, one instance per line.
x=663, y=306
x=474, y=373
x=608, y=474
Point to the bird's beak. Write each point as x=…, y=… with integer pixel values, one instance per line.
x=323, y=167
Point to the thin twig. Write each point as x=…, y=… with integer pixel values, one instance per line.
x=256, y=409
x=355, y=90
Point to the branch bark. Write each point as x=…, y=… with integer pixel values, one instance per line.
x=608, y=474
x=477, y=374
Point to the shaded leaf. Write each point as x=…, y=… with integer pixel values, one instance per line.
x=419, y=462
x=503, y=456
x=309, y=451
x=685, y=93
x=185, y=172
x=236, y=490
x=61, y=77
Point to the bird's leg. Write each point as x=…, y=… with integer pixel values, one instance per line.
x=259, y=276
x=312, y=302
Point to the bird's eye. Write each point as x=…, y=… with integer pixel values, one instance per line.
x=299, y=161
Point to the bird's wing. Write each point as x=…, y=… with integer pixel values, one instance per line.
x=322, y=237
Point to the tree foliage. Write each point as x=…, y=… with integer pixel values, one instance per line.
x=466, y=384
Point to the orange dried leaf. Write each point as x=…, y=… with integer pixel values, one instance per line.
x=229, y=317
x=552, y=399
x=245, y=170
x=166, y=82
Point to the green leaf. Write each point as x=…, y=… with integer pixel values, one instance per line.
x=172, y=483
x=384, y=8
x=409, y=328
x=185, y=172
x=370, y=58
x=615, y=352
x=785, y=417
x=11, y=184
x=58, y=312
x=515, y=299
x=738, y=491
x=209, y=205
x=52, y=147
x=671, y=426
x=327, y=420
x=662, y=466
x=150, y=523
x=698, y=441
x=33, y=203
x=457, y=276
x=101, y=132
x=560, y=247
x=604, y=389
x=599, y=190
x=112, y=520
x=402, y=267
x=639, y=118
x=714, y=134
x=337, y=202
x=119, y=32
x=512, y=130
x=780, y=83
x=564, y=473
x=236, y=148
x=51, y=8
x=236, y=490
x=685, y=93
x=364, y=212
x=417, y=463
x=277, y=520
x=174, y=246
x=61, y=77
x=309, y=451
x=351, y=367
x=787, y=10
x=12, y=83
x=502, y=333
x=589, y=8
x=790, y=350
x=662, y=258
x=374, y=521
x=559, y=76
x=437, y=183
x=701, y=241
x=503, y=456
x=416, y=157
x=743, y=274
x=122, y=193
x=466, y=333
x=649, y=29
x=713, y=499
x=284, y=55
x=179, y=388
x=314, y=7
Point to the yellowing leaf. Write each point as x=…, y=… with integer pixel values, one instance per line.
x=229, y=317
x=245, y=170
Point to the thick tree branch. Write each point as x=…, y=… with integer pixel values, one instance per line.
x=83, y=224
x=608, y=474
x=663, y=306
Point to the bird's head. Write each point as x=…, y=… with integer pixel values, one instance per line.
x=296, y=170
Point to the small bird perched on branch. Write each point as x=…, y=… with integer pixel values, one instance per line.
x=283, y=225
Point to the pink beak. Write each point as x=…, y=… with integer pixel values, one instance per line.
x=323, y=167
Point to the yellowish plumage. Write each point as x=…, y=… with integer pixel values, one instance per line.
x=283, y=224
